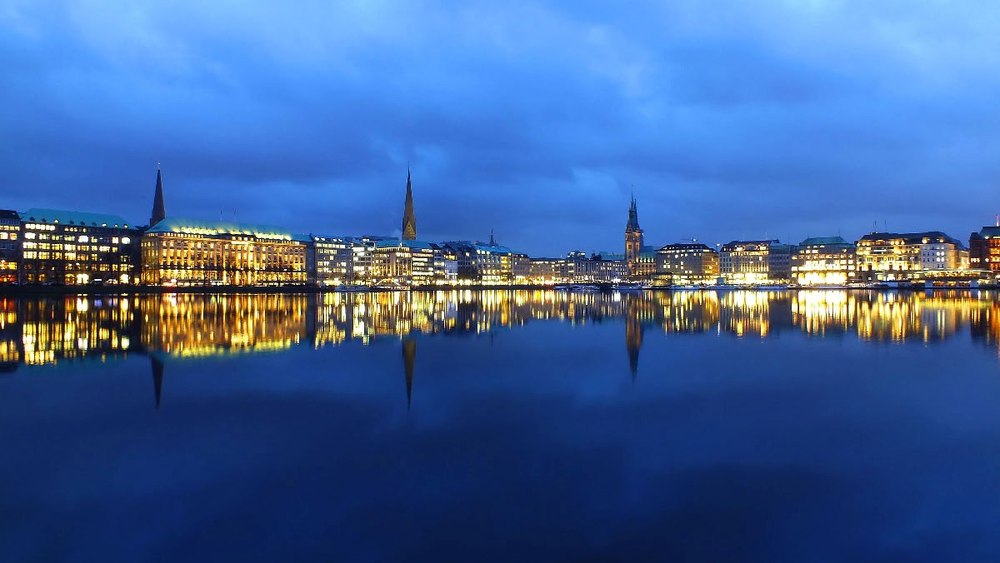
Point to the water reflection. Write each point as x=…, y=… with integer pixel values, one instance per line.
x=39, y=331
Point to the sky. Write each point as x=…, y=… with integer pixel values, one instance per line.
x=727, y=119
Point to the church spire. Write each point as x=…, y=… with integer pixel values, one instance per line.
x=159, y=213
x=633, y=217
x=409, y=221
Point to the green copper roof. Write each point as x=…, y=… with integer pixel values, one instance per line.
x=40, y=215
x=218, y=228
x=823, y=241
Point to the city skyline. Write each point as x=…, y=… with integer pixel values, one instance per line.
x=728, y=123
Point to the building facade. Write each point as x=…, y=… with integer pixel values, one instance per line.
x=596, y=268
x=332, y=261
x=907, y=256
x=687, y=264
x=189, y=252
x=10, y=247
x=984, y=249
x=755, y=262
x=823, y=261
x=73, y=248
x=403, y=263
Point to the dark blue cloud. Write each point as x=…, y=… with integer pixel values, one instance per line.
x=536, y=119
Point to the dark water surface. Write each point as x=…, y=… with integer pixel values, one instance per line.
x=501, y=426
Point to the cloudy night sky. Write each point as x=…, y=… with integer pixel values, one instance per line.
x=728, y=119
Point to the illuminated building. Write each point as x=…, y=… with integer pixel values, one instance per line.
x=10, y=246
x=362, y=251
x=984, y=249
x=482, y=263
x=755, y=262
x=73, y=248
x=907, y=256
x=547, y=271
x=594, y=269
x=402, y=263
x=189, y=252
x=332, y=261
x=520, y=265
x=688, y=263
x=639, y=259
x=823, y=261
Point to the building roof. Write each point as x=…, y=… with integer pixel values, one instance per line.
x=734, y=243
x=912, y=238
x=8, y=214
x=823, y=241
x=685, y=246
x=42, y=215
x=398, y=243
x=990, y=232
x=217, y=228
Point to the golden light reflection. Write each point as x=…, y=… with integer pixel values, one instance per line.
x=37, y=331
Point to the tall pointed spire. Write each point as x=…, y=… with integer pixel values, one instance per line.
x=493, y=241
x=633, y=216
x=409, y=221
x=159, y=213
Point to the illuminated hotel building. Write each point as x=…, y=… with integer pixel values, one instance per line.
x=755, y=262
x=907, y=256
x=73, y=248
x=687, y=264
x=823, y=261
x=189, y=252
x=984, y=249
x=10, y=246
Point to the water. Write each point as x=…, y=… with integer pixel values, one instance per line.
x=501, y=426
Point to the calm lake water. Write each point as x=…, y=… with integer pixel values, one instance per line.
x=501, y=426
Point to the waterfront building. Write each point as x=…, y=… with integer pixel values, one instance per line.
x=639, y=259
x=755, y=262
x=547, y=271
x=520, y=265
x=190, y=252
x=75, y=248
x=402, y=263
x=10, y=246
x=445, y=264
x=908, y=256
x=595, y=268
x=331, y=261
x=823, y=261
x=482, y=263
x=984, y=249
x=687, y=264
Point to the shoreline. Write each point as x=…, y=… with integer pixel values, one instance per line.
x=42, y=291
